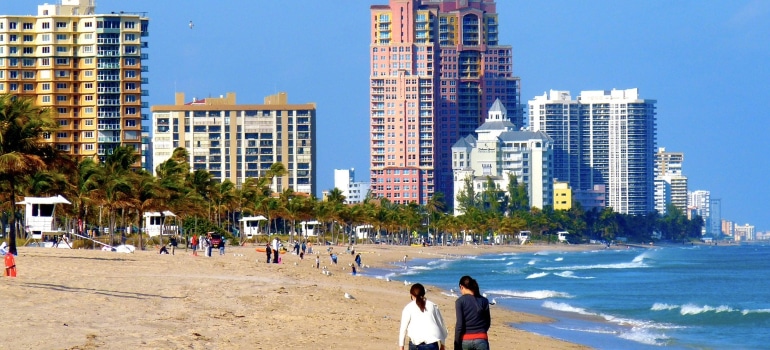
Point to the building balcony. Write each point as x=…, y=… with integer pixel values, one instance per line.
x=109, y=139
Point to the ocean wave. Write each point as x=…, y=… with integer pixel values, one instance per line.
x=532, y=262
x=627, y=265
x=571, y=274
x=693, y=309
x=564, y=307
x=537, y=294
x=538, y=275
x=645, y=336
x=558, y=259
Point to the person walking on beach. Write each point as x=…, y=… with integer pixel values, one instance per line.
x=358, y=259
x=222, y=246
x=209, y=246
x=269, y=252
x=194, y=245
x=422, y=321
x=473, y=317
x=173, y=243
x=276, y=245
x=317, y=261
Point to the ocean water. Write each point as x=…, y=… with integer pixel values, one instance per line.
x=675, y=297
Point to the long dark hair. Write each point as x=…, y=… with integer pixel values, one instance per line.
x=469, y=283
x=418, y=292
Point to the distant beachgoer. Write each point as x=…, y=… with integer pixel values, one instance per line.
x=268, y=251
x=358, y=259
x=209, y=245
x=296, y=247
x=333, y=257
x=10, y=264
x=276, y=246
x=222, y=246
x=194, y=245
x=473, y=317
x=163, y=250
x=303, y=247
x=173, y=243
x=353, y=267
x=317, y=261
x=421, y=319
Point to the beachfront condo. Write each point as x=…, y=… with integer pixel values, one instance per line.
x=87, y=67
x=436, y=68
x=603, y=138
x=237, y=141
x=499, y=151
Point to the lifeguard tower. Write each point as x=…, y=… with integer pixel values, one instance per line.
x=154, y=224
x=40, y=218
x=250, y=225
x=309, y=228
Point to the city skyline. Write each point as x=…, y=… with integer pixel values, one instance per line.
x=703, y=71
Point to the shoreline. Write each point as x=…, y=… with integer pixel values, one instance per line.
x=85, y=299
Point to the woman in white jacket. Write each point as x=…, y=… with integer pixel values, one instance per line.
x=422, y=321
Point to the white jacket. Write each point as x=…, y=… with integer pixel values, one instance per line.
x=422, y=327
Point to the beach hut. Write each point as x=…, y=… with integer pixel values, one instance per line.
x=250, y=225
x=309, y=228
x=40, y=216
x=154, y=223
x=364, y=231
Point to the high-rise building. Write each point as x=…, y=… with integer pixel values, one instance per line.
x=670, y=183
x=87, y=67
x=235, y=142
x=499, y=152
x=602, y=138
x=354, y=191
x=436, y=68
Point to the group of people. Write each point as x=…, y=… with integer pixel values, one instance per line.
x=206, y=244
x=422, y=320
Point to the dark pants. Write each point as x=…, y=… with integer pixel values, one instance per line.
x=275, y=256
x=268, y=257
x=478, y=344
x=423, y=346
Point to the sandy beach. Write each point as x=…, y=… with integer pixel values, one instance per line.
x=85, y=299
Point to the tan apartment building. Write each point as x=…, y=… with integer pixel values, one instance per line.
x=86, y=67
x=237, y=142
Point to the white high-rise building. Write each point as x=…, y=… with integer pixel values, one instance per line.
x=501, y=151
x=670, y=184
x=345, y=181
x=602, y=138
x=700, y=200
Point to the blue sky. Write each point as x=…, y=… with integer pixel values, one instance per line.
x=703, y=61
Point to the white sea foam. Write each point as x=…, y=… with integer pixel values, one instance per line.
x=509, y=263
x=645, y=336
x=558, y=259
x=571, y=274
x=531, y=262
x=692, y=309
x=663, y=306
x=537, y=275
x=564, y=307
x=756, y=311
x=537, y=294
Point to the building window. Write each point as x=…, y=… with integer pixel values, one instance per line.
x=46, y=86
x=61, y=24
x=130, y=25
x=46, y=99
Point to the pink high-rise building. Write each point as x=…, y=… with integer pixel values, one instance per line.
x=436, y=68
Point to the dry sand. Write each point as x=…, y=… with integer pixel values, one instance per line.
x=85, y=299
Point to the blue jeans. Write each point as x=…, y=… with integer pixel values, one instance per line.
x=423, y=346
x=477, y=344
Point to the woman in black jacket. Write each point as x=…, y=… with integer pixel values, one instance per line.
x=473, y=317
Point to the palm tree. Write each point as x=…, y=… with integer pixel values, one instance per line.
x=22, y=148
